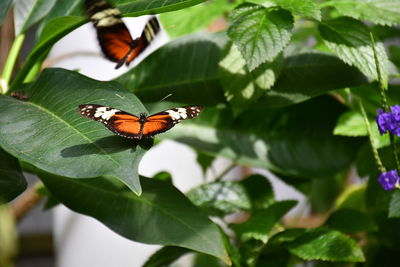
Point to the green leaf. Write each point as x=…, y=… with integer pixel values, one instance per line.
x=188, y=20
x=384, y=12
x=349, y=39
x=161, y=215
x=353, y=197
x=261, y=223
x=165, y=256
x=305, y=76
x=351, y=221
x=308, y=8
x=4, y=7
x=260, y=33
x=220, y=198
x=28, y=12
x=287, y=140
x=394, y=207
x=54, y=30
x=12, y=182
x=241, y=86
x=204, y=161
x=324, y=244
x=186, y=68
x=62, y=142
x=259, y=190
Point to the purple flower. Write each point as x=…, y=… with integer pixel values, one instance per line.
x=385, y=121
x=388, y=179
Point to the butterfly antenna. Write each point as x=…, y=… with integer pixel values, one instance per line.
x=165, y=97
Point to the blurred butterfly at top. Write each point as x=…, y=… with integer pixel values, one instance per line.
x=138, y=127
x=115, y=40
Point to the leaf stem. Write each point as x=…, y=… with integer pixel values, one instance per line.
x=27, y=201
x=224, y=172
x=9, y=66
x=382, y=88
x=378, y=161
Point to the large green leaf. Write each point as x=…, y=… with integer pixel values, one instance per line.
x=12, y=182
x=186, y=68
x=4, y=7
x=351, y=221
x=220, y=198
x=305, y=76
x=188, y=20
x=165, y=256
x=384, y=12
x=260, y=33
x=28, y=12
x=295, y=140
x=261, y=223
x=161, y=215
x=350, y=40
x=243, y=87
x=49, y=133
x=321, y=244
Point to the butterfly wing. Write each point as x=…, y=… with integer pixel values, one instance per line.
x=150, y=30
x=117, y=121
x=165, y=120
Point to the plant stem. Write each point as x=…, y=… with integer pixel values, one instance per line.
x=224, y=172
x=12, y=58
x=27, y=201
x=378, y=161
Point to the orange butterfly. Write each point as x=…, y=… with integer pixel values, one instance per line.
x=131, y=126
x=115, y=40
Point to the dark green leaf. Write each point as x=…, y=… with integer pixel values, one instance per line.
x=394, y=208
x=325, y=190
x=62, y=142
x=233, y=251
x=206, y=260
x=324, y=244
x=12, y=182
x=188, y=20
x=259, y=190
x=220, y=198
x=261, y=223
x=204, y=161
x=295, y=140
x=161, y=215
x=350, y=40
x=163, y=176
x=385, y=12
x=186, y=68
x=274, y=255
x=351, y=221
x=165, y=256
x=4, y=7
x=241, y=86
x=305, y=76
x=260, y=33
x=28, y=12
x=51, y=200
x=307, y=8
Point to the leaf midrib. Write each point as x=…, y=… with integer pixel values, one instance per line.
x=78, y=132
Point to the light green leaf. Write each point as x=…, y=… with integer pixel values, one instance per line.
x=220, y=198
x=28, y=12
x=62, y=142
x=4, y=7
x=384, y=12
x=260, y=33
x=12, y=182
x=161, y=215
x=394, y=207
x=349, y=39
x=324, y=244
x=261, y=223
x=308, y=8
x=186, y=68
x=351, y=221
x=188, y=20
x=243, y=87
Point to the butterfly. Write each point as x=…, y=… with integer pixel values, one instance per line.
x=115, y=40
x=138, y=127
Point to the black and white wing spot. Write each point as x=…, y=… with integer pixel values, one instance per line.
x=97, y=112
x=183, y=113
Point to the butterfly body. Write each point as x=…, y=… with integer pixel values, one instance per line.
x=114, y=38
x=138, y=127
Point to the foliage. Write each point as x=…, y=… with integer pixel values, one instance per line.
x=289, y=86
